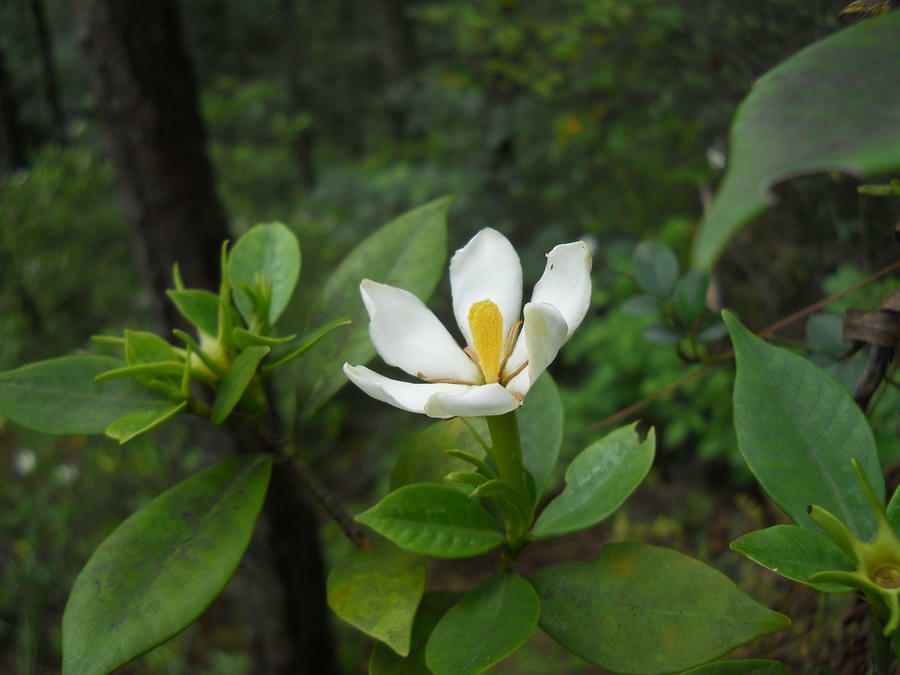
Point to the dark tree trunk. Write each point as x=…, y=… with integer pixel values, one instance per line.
x=48, y=68
x=145, y=91
x=397, y=52
x=12, y=137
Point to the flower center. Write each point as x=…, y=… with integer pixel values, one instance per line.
x=486, y=325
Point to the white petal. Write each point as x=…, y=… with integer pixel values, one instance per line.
x=408, y=335
x=488, y=399
x=487, y=268
x=566, y=282
x=408, y=396
x=544, y=332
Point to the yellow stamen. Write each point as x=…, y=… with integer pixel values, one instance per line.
x=486, y=325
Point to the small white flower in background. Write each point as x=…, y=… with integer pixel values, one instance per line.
x=25, y=461
x=65, y=474
x=503, y=356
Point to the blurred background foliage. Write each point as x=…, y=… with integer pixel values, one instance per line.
x=550, y=120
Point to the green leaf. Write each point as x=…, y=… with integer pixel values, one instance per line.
x=541, y=430
x=644, y=609
x=434, y=520
x=655, y=268
x=794, y=552
x=798, y=429
x=659, y=334
x=386, y=662
x=234, y=384
x=409, y=253
x=126, y=428
x=243, y=338
x=142, y=347
x=161, y=568
x=827, y=108
x=308, y=342
x=748, y=667
x=486, y=626
x=598, y=481
x=143, y=371
x=690, y=297
x=59, y=396
x=201, y=308
x=893, y=511
x=422, y=458
x=377, y=590
x=641, y=305
x=273, y=252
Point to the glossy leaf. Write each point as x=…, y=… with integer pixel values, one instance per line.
x=273, y=252
x=308, y=342
x=490, y=622
x=234, y=384
x=377, y=590
x=386, y=662
x=410, y=253
x=794, y=552
x=798, y=429
x=126, y=428
x=434, y=520
x=655, y=268
x=740, y=667
x=142, y=347
x=161, y=568
x=244, y=338
x=644, y=609
x=827, y=108
x=541, y=430
x=598, y=481
x=59, y=396
x=201, y=308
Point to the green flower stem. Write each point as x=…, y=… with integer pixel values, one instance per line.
x=506, y=451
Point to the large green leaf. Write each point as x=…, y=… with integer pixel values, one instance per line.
x=541, y=430
x=434, y=520
x=644, y=609
x=798, y=429
x=490, y=622
x=377, y=590
x=598, y=482
x=829, y=107
x=126, y=428
x=59, y=396
x=386, y=662
x=272, y=252
x=408, y=252
x=162, y=567
x=748, y=667
x=794, y=552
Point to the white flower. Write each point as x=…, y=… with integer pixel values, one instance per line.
x=503, y=356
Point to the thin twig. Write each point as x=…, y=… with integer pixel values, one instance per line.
x=329, y=503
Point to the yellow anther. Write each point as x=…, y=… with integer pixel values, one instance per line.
x=486, y=325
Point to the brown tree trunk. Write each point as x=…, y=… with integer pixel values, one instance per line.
x=145, y=91
x=48, y=69
x=12, y=136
